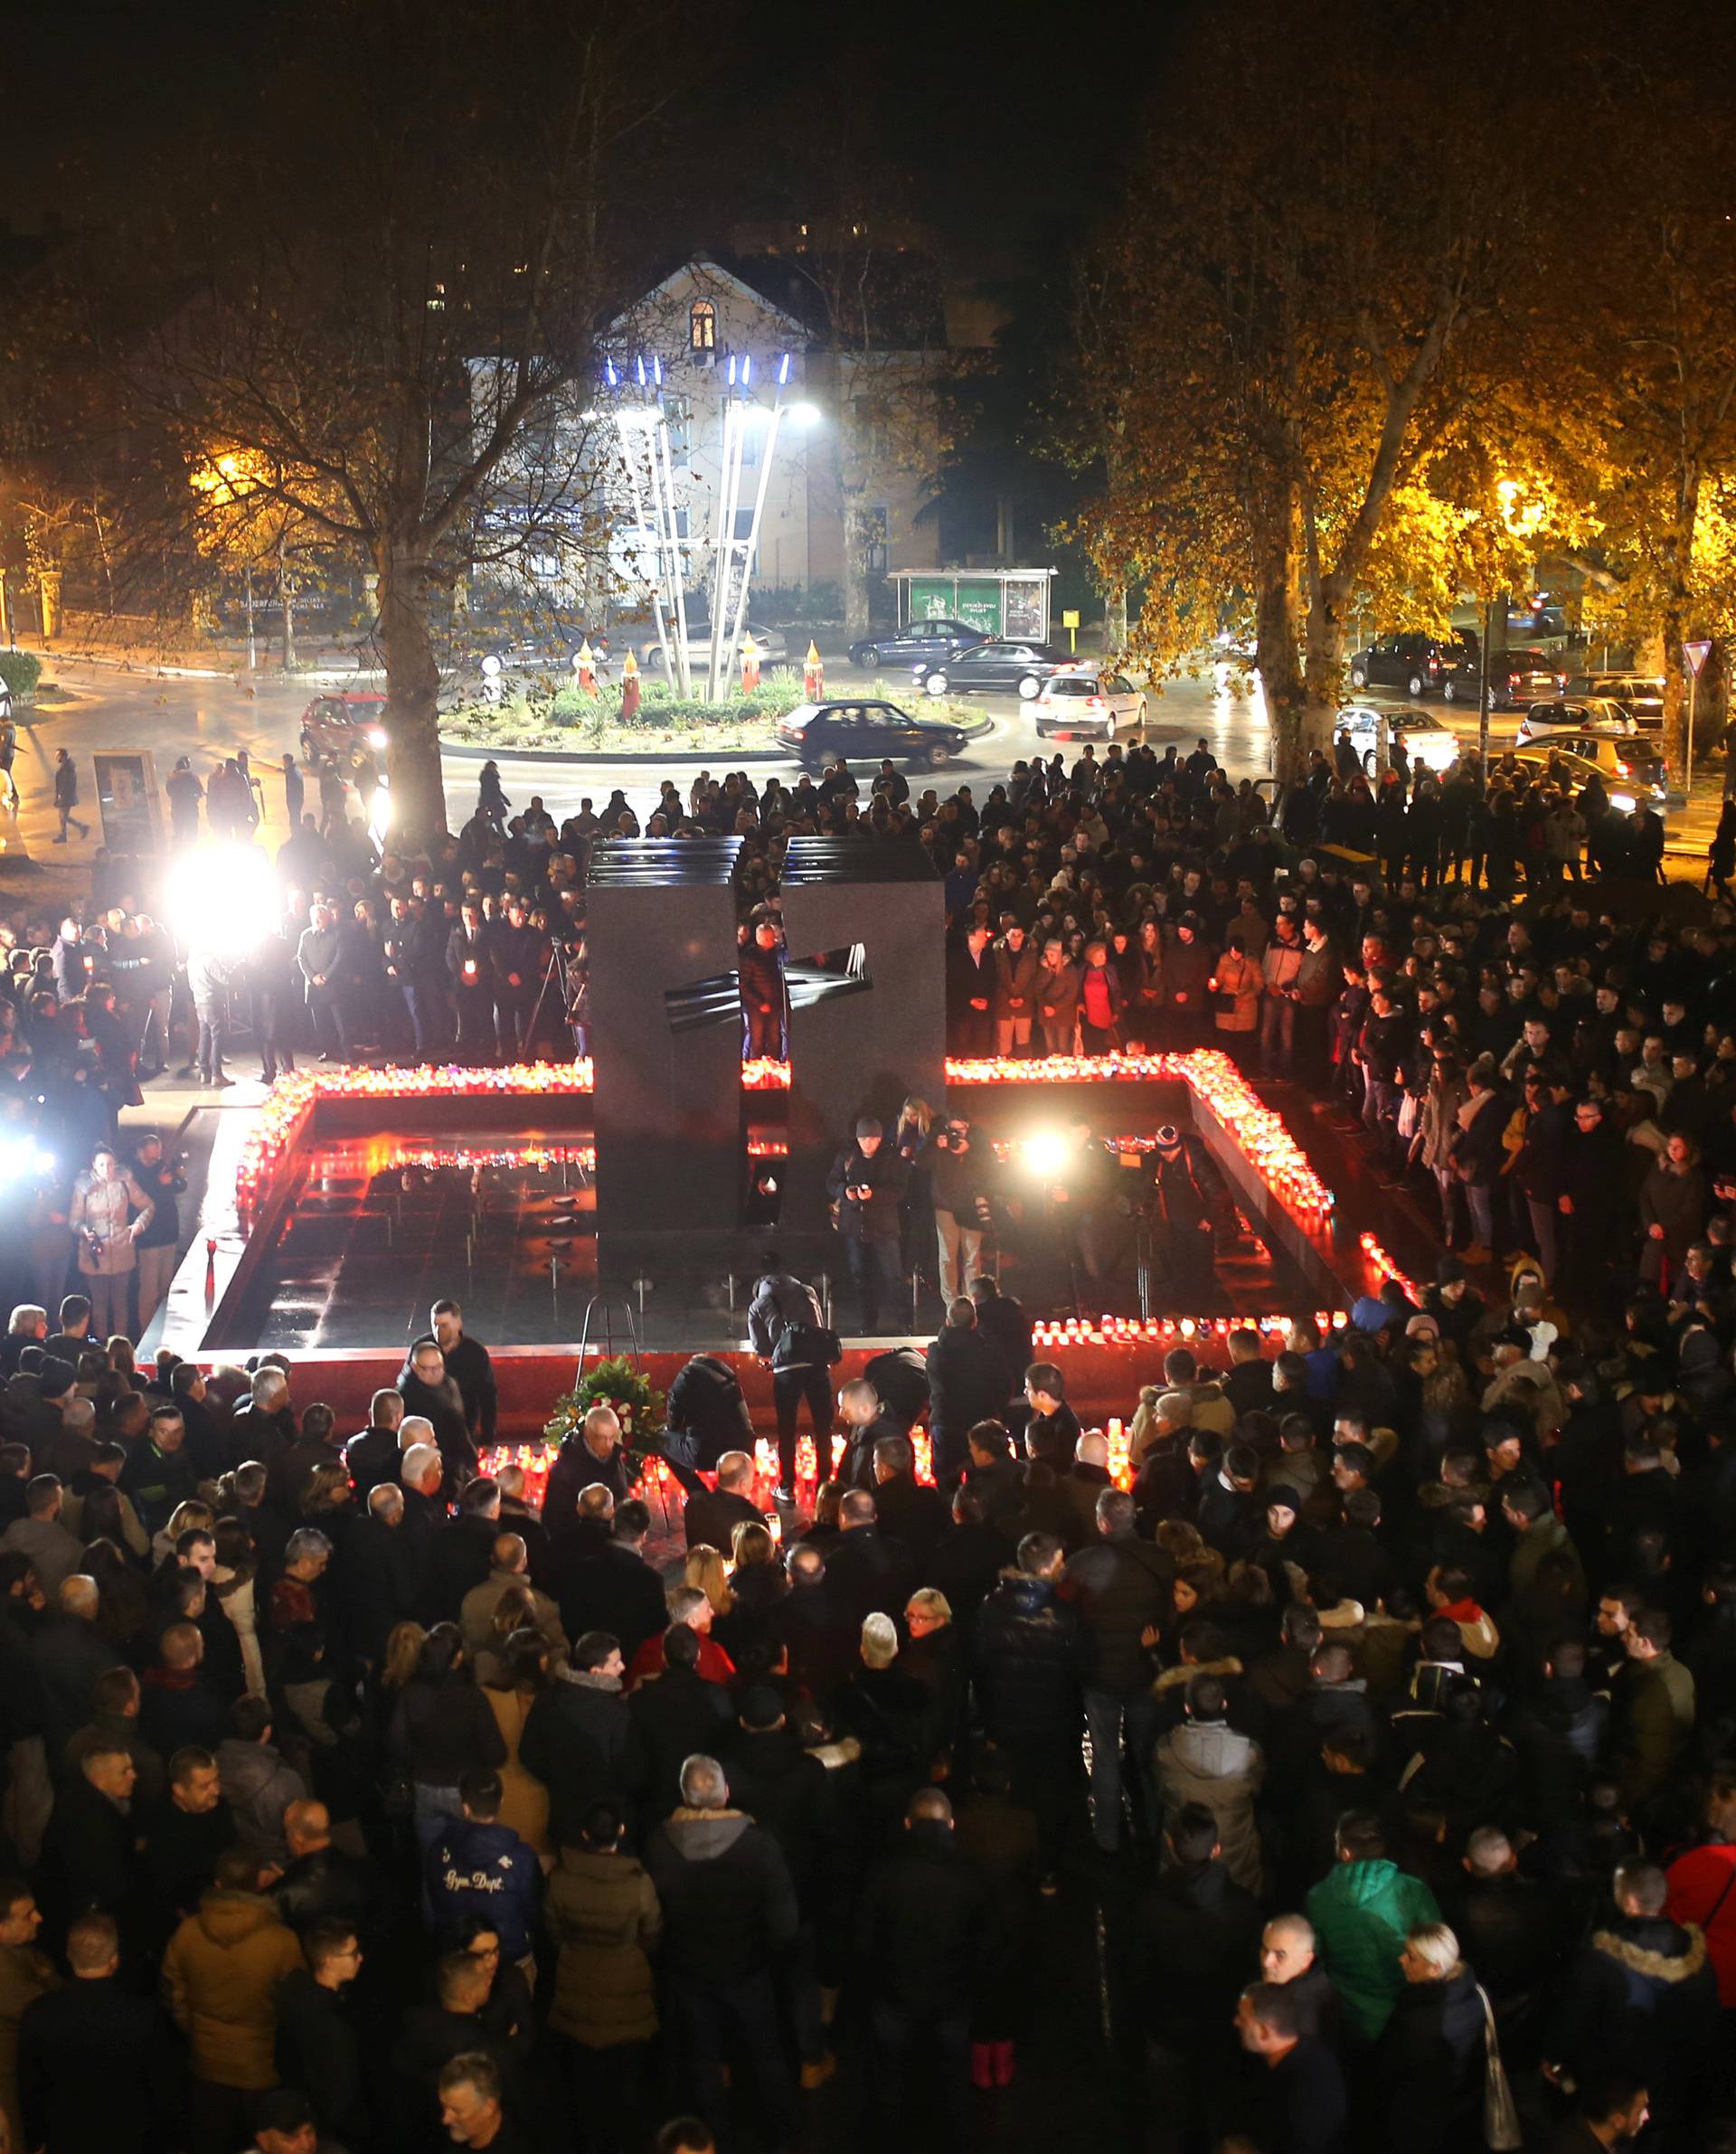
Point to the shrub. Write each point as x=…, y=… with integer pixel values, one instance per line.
x=20, y=670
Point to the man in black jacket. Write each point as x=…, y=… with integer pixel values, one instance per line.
x=711, y=1515
x=579, y=1740
x=372, y=1456
x=1006, y=1332
x=729, y=1912
x=907, y=1512
x=318, y=2048
x=594, y=1455
x=1027, y=1684
x=608, y=1585
x=426, y=1389
x=1121, y=1588
x=866, y=1185
x=677, y=1713
x=707, y=1411
x=926, y=1932
x=1199, y=1930
x=468, y=1365
x=867, y=1573
x=966, y=1384
x=97, y=2065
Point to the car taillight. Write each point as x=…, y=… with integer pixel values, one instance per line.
x=1624, y=769
x=1560, y=680
x=1434, y=665
x=1093, y=703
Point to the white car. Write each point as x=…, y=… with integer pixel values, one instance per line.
x=1085, y=705
x=1427, y=742
x=1585, y=715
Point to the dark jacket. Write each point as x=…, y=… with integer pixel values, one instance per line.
x=456, y=1556
x=927, y=1929
x=711, y=1516
x=729, y=1906
x=1200, y=1935
x=876, y=1218
x=1431, y=2061
x=371, y=1458
x=914, y=1516
x=485, y=1869
x=1641, y=1996
x=443, y=1730
x=966, y=1384
x=1027, y=1665
x=582, y=1743
x=318, y=2052
x=786, y=1793
x=576, y=1466
x=868, y=1572
x=604, y=1585
x=677, y=1714
x=98, y=2067
x=1120, y=1586
x=705, y=1404
x=443, y=1404
x=69, y=1654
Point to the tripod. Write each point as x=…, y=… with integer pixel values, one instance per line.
x=556, y=968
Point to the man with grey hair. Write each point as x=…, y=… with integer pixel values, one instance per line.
x=264, y=1427
x=720, y=1970
x=591, y=1452
x=381, y=1576
x=685, y=1604
x=28, y=1328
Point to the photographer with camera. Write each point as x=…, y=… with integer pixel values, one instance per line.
x=960, y=1206
x=866, y=1185
x=102, y=1197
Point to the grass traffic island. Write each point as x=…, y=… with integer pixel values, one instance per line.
x=569, y=720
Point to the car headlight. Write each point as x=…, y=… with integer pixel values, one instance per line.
x=377, y=737
x=1625, y=801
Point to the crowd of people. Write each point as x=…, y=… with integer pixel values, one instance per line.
x=1387, y=1716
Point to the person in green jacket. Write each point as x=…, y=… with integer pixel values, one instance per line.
x=1362, y=1914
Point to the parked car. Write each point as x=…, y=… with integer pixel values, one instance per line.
x=1576, y=770
x=336, y=725
x=1574, y=714
x=1640, y=694
x=921, y=643
x=1426, y=740
x=863, y=730
x=1519, y=677
x=1416, y=663
x=1005, y=662
x=1084, y=705
x=769, y=643
x=1622, y=756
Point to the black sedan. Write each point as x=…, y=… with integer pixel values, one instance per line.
x=1007, y=663
x=863, y=731
x=922, y=643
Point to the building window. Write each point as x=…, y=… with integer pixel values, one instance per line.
x=679, y=418
x=752, y=439
x=701, y=326
x=876, y=531
x=745, y=523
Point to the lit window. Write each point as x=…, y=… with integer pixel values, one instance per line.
x=701, y=326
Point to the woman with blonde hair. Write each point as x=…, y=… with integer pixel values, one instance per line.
x=325, y=1491
x=1431, y=2059
x=705, y=1569
x=186, y=1518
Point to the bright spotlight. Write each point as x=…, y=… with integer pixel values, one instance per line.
x=224, y=899
x=1047, y=1154
x=23, y=1160
x=806, y=414
x=380, y=812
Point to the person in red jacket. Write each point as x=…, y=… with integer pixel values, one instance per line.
x=1702, y=1884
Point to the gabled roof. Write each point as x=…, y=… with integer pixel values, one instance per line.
x=702, y=270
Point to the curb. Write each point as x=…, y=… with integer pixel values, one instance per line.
x=320, y=676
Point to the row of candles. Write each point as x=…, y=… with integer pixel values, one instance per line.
x=1146, y=1331
x=534, y=1460
x=1258, y=1133
x=1388, y=1268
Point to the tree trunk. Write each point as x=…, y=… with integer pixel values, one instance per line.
x=858, y=594
x=413, y=696
x=1115, y=622
x=286, y=592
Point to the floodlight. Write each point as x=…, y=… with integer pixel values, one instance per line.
x=224, y=899
x=1046, y=1154
x=783, y=371
x=806, y=414
x=22, y=1159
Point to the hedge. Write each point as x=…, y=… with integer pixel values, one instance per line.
x=20, y=670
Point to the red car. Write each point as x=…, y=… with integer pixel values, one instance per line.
x=336, y=725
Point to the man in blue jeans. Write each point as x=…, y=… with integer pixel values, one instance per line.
x=1120, y=1586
